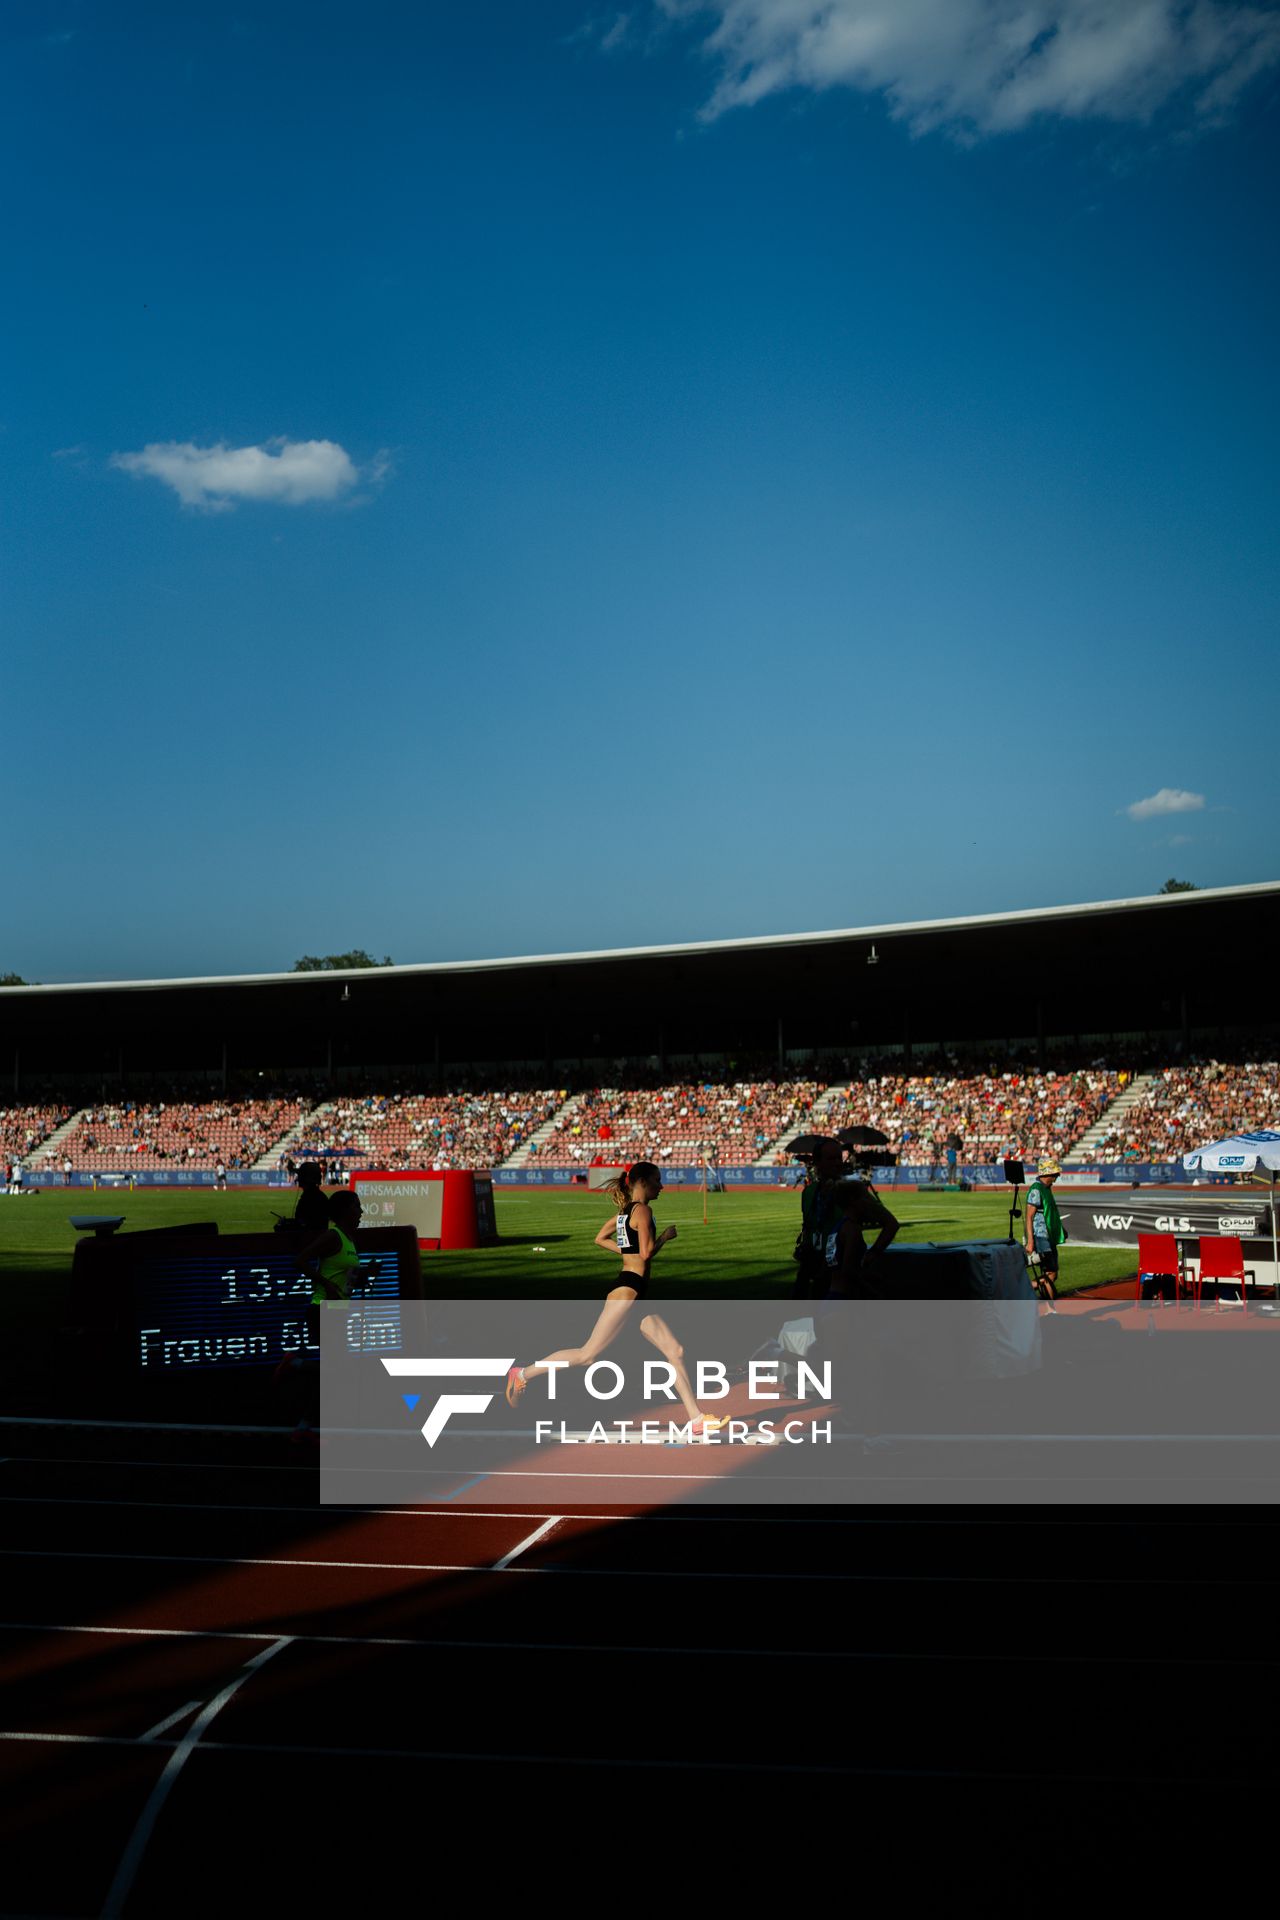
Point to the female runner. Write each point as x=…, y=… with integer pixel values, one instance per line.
x=631, y=1231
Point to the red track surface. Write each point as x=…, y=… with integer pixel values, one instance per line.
x=217, y=1694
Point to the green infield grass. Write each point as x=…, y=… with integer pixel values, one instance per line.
x=546, y=1246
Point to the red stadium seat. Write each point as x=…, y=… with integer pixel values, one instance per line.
x=1222, y=1258
x=1159, y=1259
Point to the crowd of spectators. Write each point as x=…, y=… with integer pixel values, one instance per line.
x=1014, y=1111
x=127, y=1135
x=428, y=1130
x=1190, y=1106
x=23, y=1128
x=678, y=1125
x=946, y=1103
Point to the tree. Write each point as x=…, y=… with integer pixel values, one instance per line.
x=338, y=962
x=1179, y=886
x=13, y=980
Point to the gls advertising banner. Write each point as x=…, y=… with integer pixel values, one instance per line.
x=1116, y=1220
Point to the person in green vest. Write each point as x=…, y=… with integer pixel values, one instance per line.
x=333, y=1263
x=1045, y=1232
x=333, y=1257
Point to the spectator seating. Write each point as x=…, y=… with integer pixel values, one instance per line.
x=1006, y=1109
x=1010, y=1110
x=175, y=1134
x=23, y=1128
x=679, y=1125
x=422, y=1130
x=1190, y=1105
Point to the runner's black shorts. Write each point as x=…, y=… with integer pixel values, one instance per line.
x=1047, y=1257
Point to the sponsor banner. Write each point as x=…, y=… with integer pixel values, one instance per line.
x=913, y=1174
x=1117, y=1220
x=788, y=1404
x=162, y=1177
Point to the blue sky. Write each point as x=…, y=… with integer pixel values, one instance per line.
x=499, y=478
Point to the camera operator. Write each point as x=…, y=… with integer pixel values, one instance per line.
x=819, y=1218
x=850, y=1262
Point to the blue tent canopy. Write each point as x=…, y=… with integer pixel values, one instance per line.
x=1239, y=1153
x=1244, y=1153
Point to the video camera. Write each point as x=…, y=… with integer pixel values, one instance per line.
x=864, y=1148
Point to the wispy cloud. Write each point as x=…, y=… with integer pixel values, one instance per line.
x=1168, y=800
x=989, y=66
x=291, y=473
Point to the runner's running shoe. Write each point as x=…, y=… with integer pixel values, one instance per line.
x=516, y=1384
x=710, y=1423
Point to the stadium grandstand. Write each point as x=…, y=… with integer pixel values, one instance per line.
x=679, y=1125
x=402, y=1129
x=1101, y=1031
x=23, y=1127
x=181, y=1133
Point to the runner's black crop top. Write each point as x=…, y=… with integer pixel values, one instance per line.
x=628, y=1238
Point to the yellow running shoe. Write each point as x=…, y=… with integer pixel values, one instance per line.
x=516, y=1384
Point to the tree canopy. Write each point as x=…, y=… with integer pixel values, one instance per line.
x=339, y=962
x=1179, y=886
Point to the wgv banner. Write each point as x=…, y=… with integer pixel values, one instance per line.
x=1107, y=1220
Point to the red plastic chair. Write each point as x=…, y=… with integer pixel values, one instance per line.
x=1158, y=1258
x=1222, y=1258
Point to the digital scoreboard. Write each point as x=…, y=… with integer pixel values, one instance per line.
x=164, y=1305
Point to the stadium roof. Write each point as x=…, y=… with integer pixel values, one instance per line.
x=756, y=943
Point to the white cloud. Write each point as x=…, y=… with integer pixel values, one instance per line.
x=1168, y=800
x=989, y=66
x=291, y=472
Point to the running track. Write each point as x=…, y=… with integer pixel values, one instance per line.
x=217, y=1693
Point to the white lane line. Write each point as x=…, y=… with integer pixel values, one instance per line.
x=163, y=1726
x=250, y=1560
x=597, y=1760
x=611, y=1648
x=131, y=1859
x=137, y=1426
x=165, y=1466
x=231, y=1506
x=687, y=1575
x=608, y=1647
x=116, y=1899
x=863, y=1517
x=530, y=1540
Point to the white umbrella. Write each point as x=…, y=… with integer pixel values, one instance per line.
x=1256, y=1153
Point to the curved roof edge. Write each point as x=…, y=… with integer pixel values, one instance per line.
x=753, y=943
